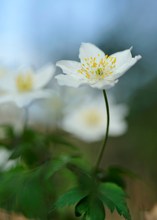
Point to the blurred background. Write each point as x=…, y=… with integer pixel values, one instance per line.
x=39, y=32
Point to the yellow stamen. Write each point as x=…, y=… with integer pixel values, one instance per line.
x=96, y=68
x=92, y=117
x=24, y=82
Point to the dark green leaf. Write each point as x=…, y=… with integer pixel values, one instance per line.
x=91, y=208
x=115, y=174
x=115, y=198
x=81, y=207
x=85, y=179
x=57, y=164
x=70, y=198
x=25, y=192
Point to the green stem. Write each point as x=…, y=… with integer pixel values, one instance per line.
x=106, y=134
x=25, y=118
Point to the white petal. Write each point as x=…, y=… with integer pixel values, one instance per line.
x=118, y=124
x=122, y=57
x=6, y=98
x=69, y=67
x=25, y=99
x=125, y=67
x=89, y=50
x=118, y=128
x=8, y=83
x=67, y=80
x=104, y=84
x=43, y=76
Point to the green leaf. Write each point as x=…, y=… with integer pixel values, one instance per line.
x=81, y=207
x=91, y=208
x=25, y=192
x=85, y=179
x=57, y=164
x=115, y=198
x=115, y=174
x=8, y=137
x=70, y=198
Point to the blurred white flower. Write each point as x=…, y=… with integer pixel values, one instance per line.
x=25, y=85
x=5, y=162
x=47, y=112
x=88, y=121
x=95, y=69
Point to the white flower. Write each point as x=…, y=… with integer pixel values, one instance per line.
x=47, y=112
x=88, y=121
x=25, y=85
x=95, y=68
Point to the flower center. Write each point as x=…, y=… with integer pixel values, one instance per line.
x=91, y=117
x=24, y=82
x=98, y=68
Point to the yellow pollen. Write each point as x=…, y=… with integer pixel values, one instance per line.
x=94, y=65
x=97, y=68
x=92, y=117
x=87, y=75
x=24, y=82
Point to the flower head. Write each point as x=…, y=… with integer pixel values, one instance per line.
x=47, y=112
x=95, y=68
x=25, y=85
x=89, y=120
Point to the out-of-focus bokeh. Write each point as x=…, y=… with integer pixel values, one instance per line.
x=39, y=32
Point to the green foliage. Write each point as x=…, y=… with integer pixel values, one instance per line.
x=56, y=164
x=114, y=198
x=83, y=175
x=92, y=195
x=8, y=138
x=90, y=209
x=116, y=174
x=31, y=187
x=26, y=192
x=34, y=147
x=71, y=197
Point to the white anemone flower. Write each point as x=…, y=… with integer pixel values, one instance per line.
x=26, y=85
x=88, y=121
x=95, y=68
x=47, y=112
